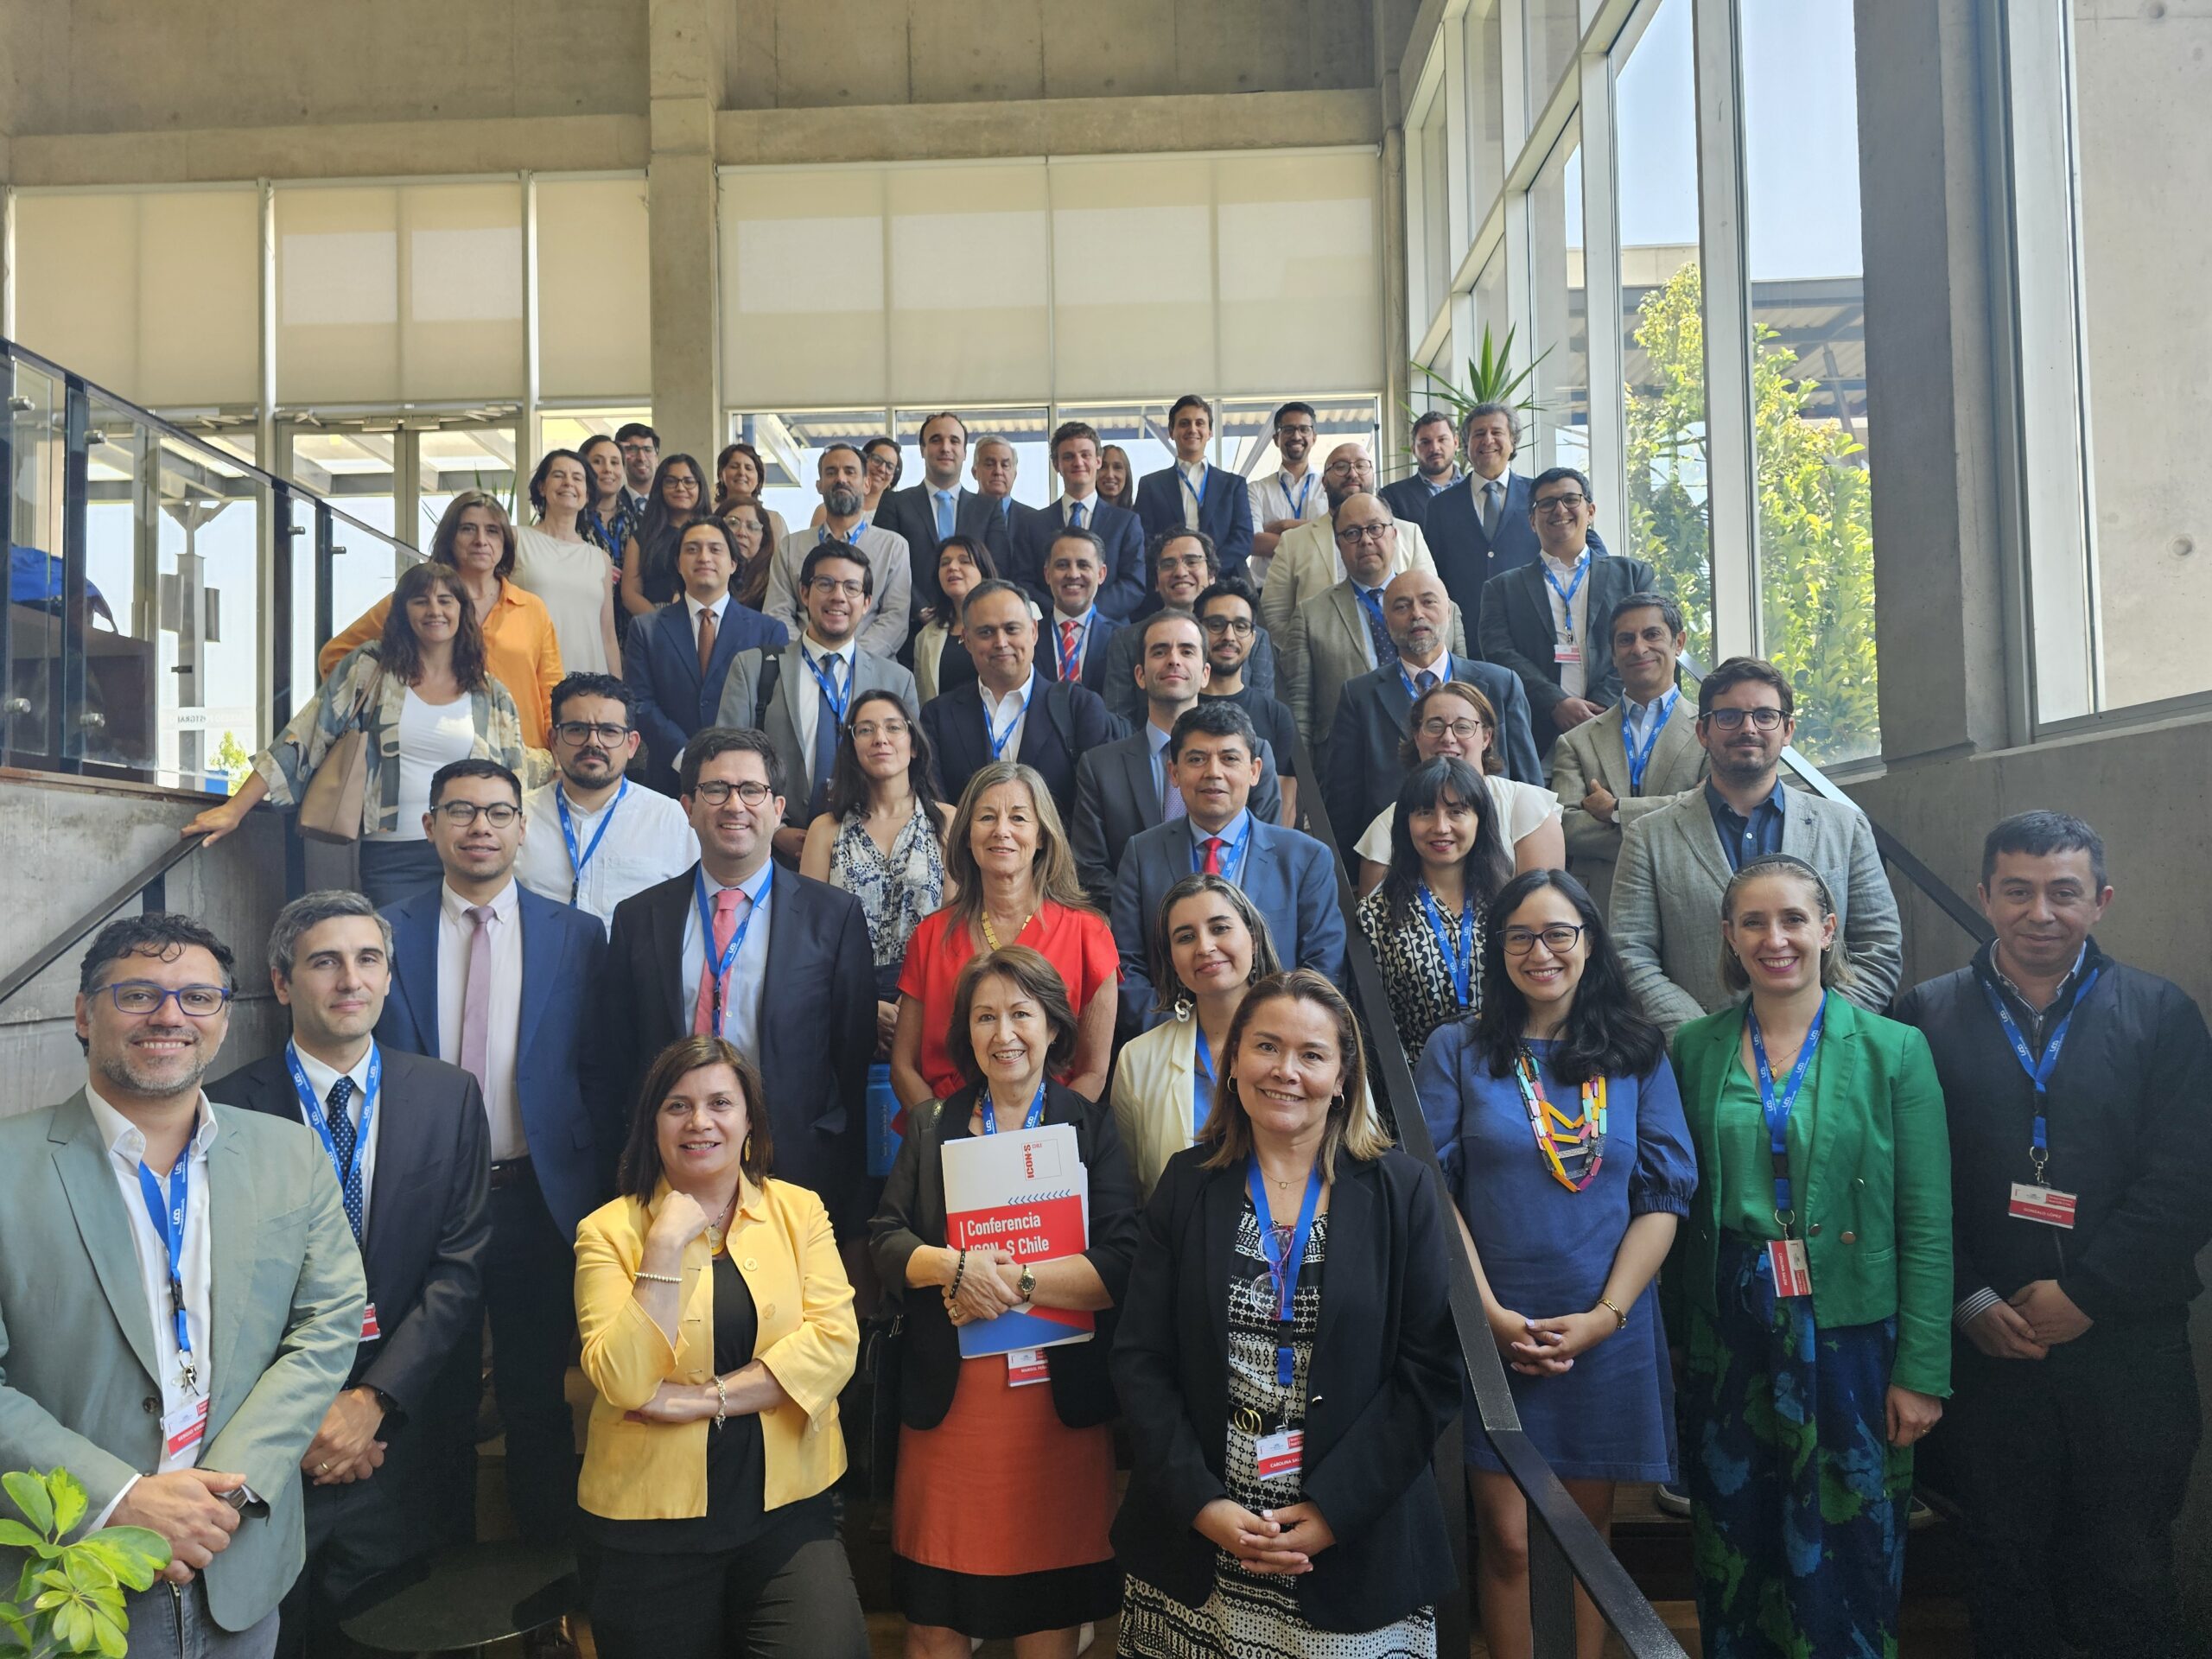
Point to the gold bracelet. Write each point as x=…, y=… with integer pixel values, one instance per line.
x=662, y=1278
x=1606, y=1303
x=721, y=1402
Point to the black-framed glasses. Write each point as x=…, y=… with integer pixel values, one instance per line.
x=717, y=792
x=1732, y=720
x=1558, y=506
x=460, y=814
x=1462, y=729
x=141, y=997
x=1558, y=938
x=583, y=731
x=1239, y=626
x=850, y=587
x=1353, y=535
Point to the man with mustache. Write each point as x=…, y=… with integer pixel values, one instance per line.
x=842, y=478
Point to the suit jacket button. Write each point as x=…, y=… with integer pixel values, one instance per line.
x=152, y=1405
x=1814, y=1231
x=1850, y=1238
x=768, y=1311
x=752, y=1265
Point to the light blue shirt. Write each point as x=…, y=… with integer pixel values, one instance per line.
x=748, y=974
x=1170, y=797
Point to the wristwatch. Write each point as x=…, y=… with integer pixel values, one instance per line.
x=1027, y=1283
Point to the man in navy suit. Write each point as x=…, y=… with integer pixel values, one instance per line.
x=807, y=939
x=677, y=659
x=493, y=978
x=1076, y=632
x=1436, y=469
x=1010, y=711
x=407, y=1138
x=1074, y=458
x=927, y=513
x=1194, y=493
x=1360, y=770
x=1479, y=527
x=1290, y=877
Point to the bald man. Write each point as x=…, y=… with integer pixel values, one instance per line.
x=1308, y=561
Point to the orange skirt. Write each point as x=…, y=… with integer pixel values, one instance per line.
x=1002, y=1486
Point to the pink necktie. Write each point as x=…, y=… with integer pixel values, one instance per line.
x=1068, y=634
x=725, y=907
x=476, y=998
x=1212, y=845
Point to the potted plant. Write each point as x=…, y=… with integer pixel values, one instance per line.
x=1490, y=379
x=68, y=1598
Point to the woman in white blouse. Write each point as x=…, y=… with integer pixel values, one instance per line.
x=1452, y=718
x=558, y=559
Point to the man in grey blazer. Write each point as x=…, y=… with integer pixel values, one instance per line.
x=1610, y=772
x=799, y=695
x=1676, y=859
x=180, y=1295
x=1340, y=633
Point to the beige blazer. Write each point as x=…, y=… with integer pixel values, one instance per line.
x=1306, y=562
x=1595, y=752
x=1151, y=1098
x=1326, y=647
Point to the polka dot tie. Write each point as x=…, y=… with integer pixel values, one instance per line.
x=342, y=1135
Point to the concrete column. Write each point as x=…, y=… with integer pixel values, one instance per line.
x=1940, y=597
x=685, y=89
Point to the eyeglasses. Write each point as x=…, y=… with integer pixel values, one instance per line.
x=717, y=793
x=1732, y=720
x=461, y=814
x=1558, y=506
x=1462, y=729
x=868, y=731
x=1558, y=938
x=1239, y=626
x=583, y=731
x=1302, y=429
x=143, y=997
x=1353, y=535
x=827, y=586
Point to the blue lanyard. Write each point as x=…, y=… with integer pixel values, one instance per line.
x=1283, y=1266
x=1071, y=658
x=1370, y=600
x=1199, y=491
x=577, y=860
x=1777, y=1107
x=2039, y=1070
x=1232, y=852
x=1298, y=502
x=1461, y=962
x=1639, y=756
x=168, y=1211
x=1202, y=1082
x=723, y=964
x=1566, y=594
x=851, y=538
x=989, y=1114
x=838, y=700
x=349, y=1170
x=999, y=740
x=1442, y=674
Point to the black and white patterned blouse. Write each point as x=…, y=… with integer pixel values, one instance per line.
x=1415, y=976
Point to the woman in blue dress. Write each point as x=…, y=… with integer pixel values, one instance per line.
x=1557, y=1121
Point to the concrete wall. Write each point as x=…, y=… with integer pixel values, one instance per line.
x=67, y=844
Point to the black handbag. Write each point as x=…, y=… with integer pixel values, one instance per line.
x=875, y=1441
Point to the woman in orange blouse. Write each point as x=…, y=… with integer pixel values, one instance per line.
x=477, y=538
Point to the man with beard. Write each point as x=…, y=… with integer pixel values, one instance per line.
x=1436, y=468
x=592, y=841
x=180, y=1295
x=1676, y=859
x=842, y=473
x=1285, y=499
x=1308, y=560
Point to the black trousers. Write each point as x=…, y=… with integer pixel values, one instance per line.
x=365, y=1541
x=529, y=1299
x=776, y=1598
x=2071, y=1470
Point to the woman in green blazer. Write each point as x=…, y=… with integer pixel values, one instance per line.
x=1801, y=1400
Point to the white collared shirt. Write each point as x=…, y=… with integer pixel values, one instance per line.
x=998, y=710
x=322, y=1079
x=806, y=700
x=748, y=974
x=502, y=1106
x=1163, y=787
x=646, y=842
x=126, y=1147
x=693, y=607
x=1568, y=624
x=1060, y=620
x=1090, y=506
x=1277, y=496
x=1194, y=484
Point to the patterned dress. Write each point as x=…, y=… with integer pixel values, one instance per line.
x=1250, y=1616
x=895, y=892
x=1415, y=976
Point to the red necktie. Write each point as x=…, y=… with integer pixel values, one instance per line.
x=1068, y=633
x=727, y=904
x=1212, y=845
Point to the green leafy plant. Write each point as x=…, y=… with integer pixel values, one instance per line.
x=68, y=1596
x=1491, y=378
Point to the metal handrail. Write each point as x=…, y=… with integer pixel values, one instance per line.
x=1564, y=1548
x=149, y=877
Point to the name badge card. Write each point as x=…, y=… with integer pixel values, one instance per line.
x=1793, y=1275
x=2044, y=1204
x=184, y=1429
x=1025, y=1366
x=370, y=1329
x=1279, y=1456
x=1565, y=650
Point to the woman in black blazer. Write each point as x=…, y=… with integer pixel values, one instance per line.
x=1259, y=1513
x=1006, y=1478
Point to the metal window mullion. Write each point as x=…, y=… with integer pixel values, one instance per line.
x=65, y=703
x=1601, y=299
x=526, y=434
x=1732, y=478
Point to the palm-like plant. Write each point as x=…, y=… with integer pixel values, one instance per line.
x=1491, y=378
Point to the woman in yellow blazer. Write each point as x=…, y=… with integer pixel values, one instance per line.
x=1209, y=945
x=718, y=1331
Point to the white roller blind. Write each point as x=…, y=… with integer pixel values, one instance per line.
x=594, y=289
x=802, y=290
x=399, y=292
x=970, y=320
x=1133, y=277
x=152, y=294
x=1301, y=299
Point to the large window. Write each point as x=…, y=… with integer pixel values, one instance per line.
x=1485, y=59
x=1808, y=368
x=1561, y=350
x=1549, y=28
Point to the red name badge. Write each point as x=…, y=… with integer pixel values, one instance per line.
x=1566, y=652
x=2044, y=1204
x=1025, y=1366
x=1793, y=1275
x=184, y=1429
x=1278, y=1456
x=369, y=1330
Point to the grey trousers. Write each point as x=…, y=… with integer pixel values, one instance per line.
x=171, y=1621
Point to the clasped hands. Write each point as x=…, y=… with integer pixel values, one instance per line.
x=990, y=1287
x=2036, y=1318
x=345, y=1448
x=1283, y=1541
x=1548, y=1347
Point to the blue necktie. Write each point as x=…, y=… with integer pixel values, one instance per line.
x=342, y=1135
x=1371, y=603
x=943, y=499
x=825, y=742
x=1076, y=514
